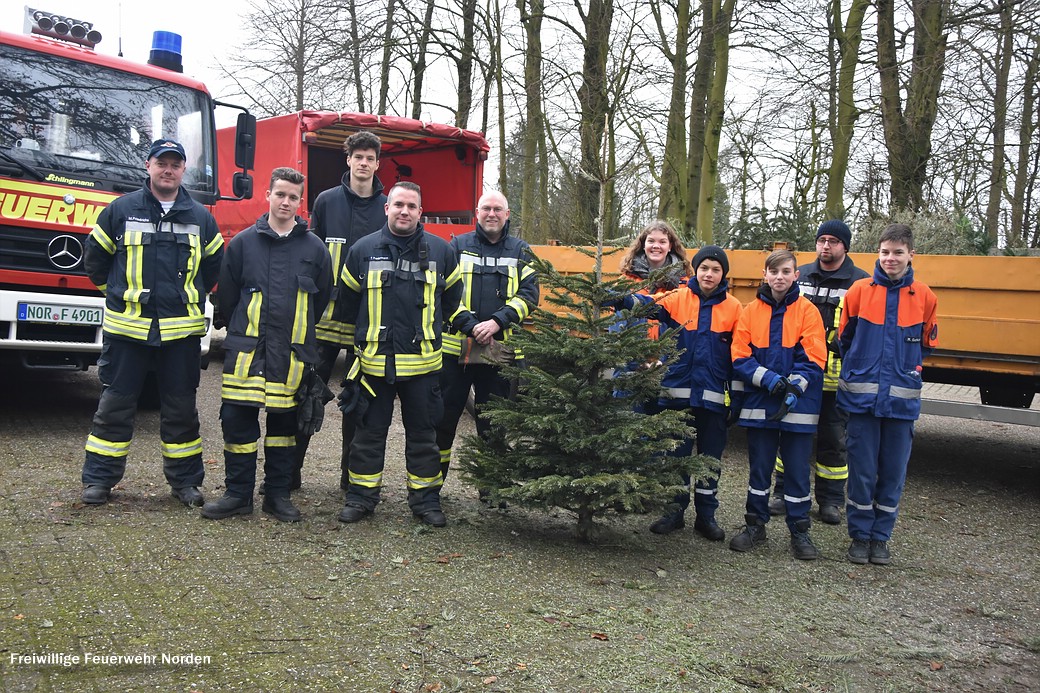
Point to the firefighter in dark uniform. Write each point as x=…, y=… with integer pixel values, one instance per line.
x=500, y=289
x=401, y=284
x=275, y=282
x=341, y=216
x=824, y=282
x=155, y=253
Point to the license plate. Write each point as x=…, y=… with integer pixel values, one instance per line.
x=59, y=314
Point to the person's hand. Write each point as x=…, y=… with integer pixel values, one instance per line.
x=732, y=416
x=485, y=331
x=778, y=385
x=790, y=399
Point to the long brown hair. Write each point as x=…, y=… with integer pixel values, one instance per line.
x=637, y=247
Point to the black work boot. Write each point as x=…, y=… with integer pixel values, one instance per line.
x=754, y=533
x=801, y=544
x=830, y=514
x=226, y=506
x=777, y=505
x=281, y=508
x=353, y=513
x=879, y=553
x=708, y=528
x=669, y=523
x=95, y=494
x=433, y=517
x=859, y=551
x=191, y=496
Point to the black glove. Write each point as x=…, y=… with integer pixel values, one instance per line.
x=732, y=415
x=790, y=399
x=351, y=400
x=779, y=385
x=311, y=399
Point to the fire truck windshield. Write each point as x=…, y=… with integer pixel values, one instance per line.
x=77, y=121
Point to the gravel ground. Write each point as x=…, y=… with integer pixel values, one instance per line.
x=500, y=599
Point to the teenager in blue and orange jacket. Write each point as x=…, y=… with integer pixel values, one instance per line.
x=779, y=353
x=705, y=315
x=888, y=326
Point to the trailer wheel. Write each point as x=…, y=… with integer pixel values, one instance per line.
x=1006, y=397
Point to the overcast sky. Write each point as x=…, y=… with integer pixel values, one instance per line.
x=210, y=28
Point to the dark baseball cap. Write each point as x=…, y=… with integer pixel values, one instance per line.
x=160, y=147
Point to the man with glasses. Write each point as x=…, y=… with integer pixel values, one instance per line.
x=824, y=282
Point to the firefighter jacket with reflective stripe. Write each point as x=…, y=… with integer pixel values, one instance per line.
x=340, y=217
x=782, y=339
x=701, y=376
x=272, y=290
x=399, y=292
x=497, y=283
x=887, y=329
x=825, y=290
x=155, y=269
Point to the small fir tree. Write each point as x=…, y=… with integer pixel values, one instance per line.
x=572, y=439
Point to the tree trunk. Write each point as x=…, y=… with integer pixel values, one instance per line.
x=586, y=529
x=997, y=172
x=355, y=54
x=1021, y=196
x=702, y=75
x=843, y=112
x=384, y=69
x=500, y=93
x=420, y=61
x=531, y=14
x=674, y=165
x=465, y=63
x=593, y=102
x=722, y=19
x=300, y=57
x=908, y=131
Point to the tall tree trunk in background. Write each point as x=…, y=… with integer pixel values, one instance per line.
x=702, y=76
x=594, y=103
x=842, y=113
x=908, y=131
x=531, y=14
x=1021, y=201
x=420, y=61
x=355, y=54
x=496, y=42
x=384, y=68
x=722, y=21
x=674, y=166
x=465, y=63
x=300, y=54
x=997, y=171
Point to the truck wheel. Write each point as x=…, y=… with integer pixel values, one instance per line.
x=149, y=399
x=1006, y=397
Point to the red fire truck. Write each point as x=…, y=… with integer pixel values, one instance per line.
x=75, y=127
x=445, y=161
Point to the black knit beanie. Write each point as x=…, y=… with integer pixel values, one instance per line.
x=712, y=252
x=838, y=229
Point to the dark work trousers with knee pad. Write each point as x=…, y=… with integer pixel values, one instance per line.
x=241, y=426
x=831, y=467
x=327, y=355
x=421, y=409
x=795, y=448
x=711, y=441
x=456, y=380
x=122, y=368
